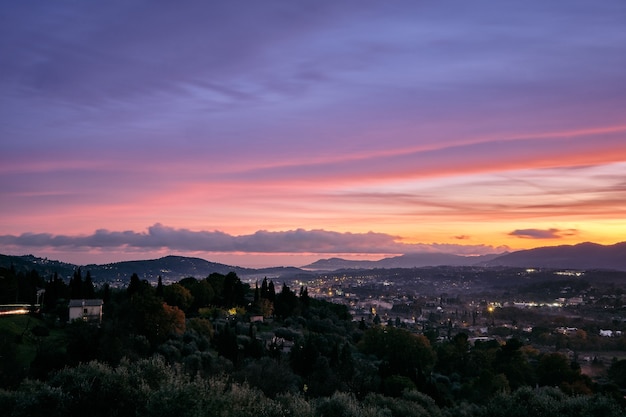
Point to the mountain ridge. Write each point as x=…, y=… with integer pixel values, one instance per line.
x=409, y=260
x=585, y=256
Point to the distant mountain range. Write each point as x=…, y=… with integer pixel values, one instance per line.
x=584, y=256
x=412, y=260
x=581, y=256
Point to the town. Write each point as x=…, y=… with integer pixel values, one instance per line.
x=579, y=313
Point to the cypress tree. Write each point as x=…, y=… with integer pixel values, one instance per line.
x=88, y=290
x=159, y=288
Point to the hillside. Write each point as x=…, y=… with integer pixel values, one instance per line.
x=170, y=268
x=582, y=256
x=43, y=266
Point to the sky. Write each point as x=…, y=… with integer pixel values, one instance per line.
x=259, y=133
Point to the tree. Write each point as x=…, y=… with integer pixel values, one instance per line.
x=510, y=361
x=134, y=286
x=271, y=291
x=154, y=319
x=179, y=296
x=76, y=285
x=617, y=373
x=8, y=286
x=286, y=303
x=203, y=327
x=402, y=352
x=554, y=369
x=106, y=293
x=264, y=289
x=228, y=289
x=203, y=295
x=56, y=293
x=159, y=288
x=453, y=355
x=226, y=344
x=234, y=291
x=263, y=307
x=88, y=290
x=305, y=300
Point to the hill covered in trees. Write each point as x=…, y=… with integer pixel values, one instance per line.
x=217, y=346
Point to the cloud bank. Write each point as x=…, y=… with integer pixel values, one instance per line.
x=295, y=241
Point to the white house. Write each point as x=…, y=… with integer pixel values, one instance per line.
x=86, y=310
x=610, y=333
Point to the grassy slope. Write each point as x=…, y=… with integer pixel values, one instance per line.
x=19, y=325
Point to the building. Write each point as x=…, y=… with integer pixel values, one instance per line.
x=86, y=310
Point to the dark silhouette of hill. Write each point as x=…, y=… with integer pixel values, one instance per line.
x=582, y=256
x=411, y=260
x=44, y=266
x=170, y=268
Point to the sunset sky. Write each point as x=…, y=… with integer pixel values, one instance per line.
x=259, y=133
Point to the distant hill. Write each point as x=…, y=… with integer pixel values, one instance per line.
x=411, y=260
x=175, y=268
x=43, y=266
x=581, y=256
x=170, y=268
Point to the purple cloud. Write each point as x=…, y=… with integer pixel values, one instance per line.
x=159, y=236
x=543, y=233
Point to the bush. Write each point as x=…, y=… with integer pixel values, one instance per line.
x=550, y=402
x=412, y=404
x=345, y=405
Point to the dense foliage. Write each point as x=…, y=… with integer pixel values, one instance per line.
x=215, y=346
